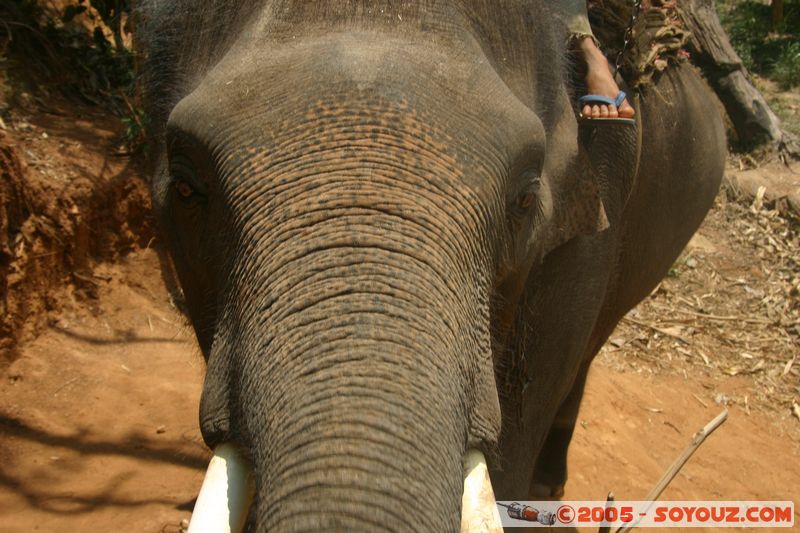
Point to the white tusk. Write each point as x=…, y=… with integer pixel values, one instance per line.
x=479, y=513
x=226, y=494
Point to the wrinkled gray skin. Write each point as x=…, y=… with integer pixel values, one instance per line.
x=396, y=242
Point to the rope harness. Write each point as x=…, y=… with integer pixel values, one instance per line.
x=637, y=6
x=654, y=36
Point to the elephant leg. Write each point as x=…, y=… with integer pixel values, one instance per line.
x=550, y=472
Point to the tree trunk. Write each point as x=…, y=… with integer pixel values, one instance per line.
x=777, y=14
x=753, y=120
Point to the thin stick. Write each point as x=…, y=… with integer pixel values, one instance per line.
x=704, y=404
x=609, y=502
x=673, y=470
x=656, y=329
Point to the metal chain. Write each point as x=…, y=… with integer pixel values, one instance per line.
x=637, y=6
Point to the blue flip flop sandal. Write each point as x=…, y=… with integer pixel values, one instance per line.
x=591, y=99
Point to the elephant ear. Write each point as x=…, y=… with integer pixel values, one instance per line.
x=577, y=209
x=592, y=193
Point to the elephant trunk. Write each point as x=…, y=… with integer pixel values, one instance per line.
x=227, y=493
x=366, y=424
x=355, y=363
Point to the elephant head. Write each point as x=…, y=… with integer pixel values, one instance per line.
x=353, y=196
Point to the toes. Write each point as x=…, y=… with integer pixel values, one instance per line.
x=607, y=111
x=626, y=111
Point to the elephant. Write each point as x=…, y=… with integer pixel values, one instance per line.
x=398, y=244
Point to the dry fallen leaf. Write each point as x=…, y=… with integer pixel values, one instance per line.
x=788, y=367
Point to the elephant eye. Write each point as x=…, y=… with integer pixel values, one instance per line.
x=526, y=200
x=527, y=197
x=184, y=189
x=185, y=182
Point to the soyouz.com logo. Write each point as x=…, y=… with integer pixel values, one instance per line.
x=681, y=514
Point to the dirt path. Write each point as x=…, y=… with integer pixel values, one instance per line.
x=98, y=425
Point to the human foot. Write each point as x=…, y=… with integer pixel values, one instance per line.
x=600, y=81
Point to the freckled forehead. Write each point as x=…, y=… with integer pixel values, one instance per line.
x=354, y=93
x=363, y=128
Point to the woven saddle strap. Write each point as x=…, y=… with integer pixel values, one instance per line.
x=658, y=36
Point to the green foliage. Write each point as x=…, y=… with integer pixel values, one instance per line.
x=773, y=53
x=70, y=47
x=135, y=122
x=79, y=50
x=785, y=105
x=786, y=70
